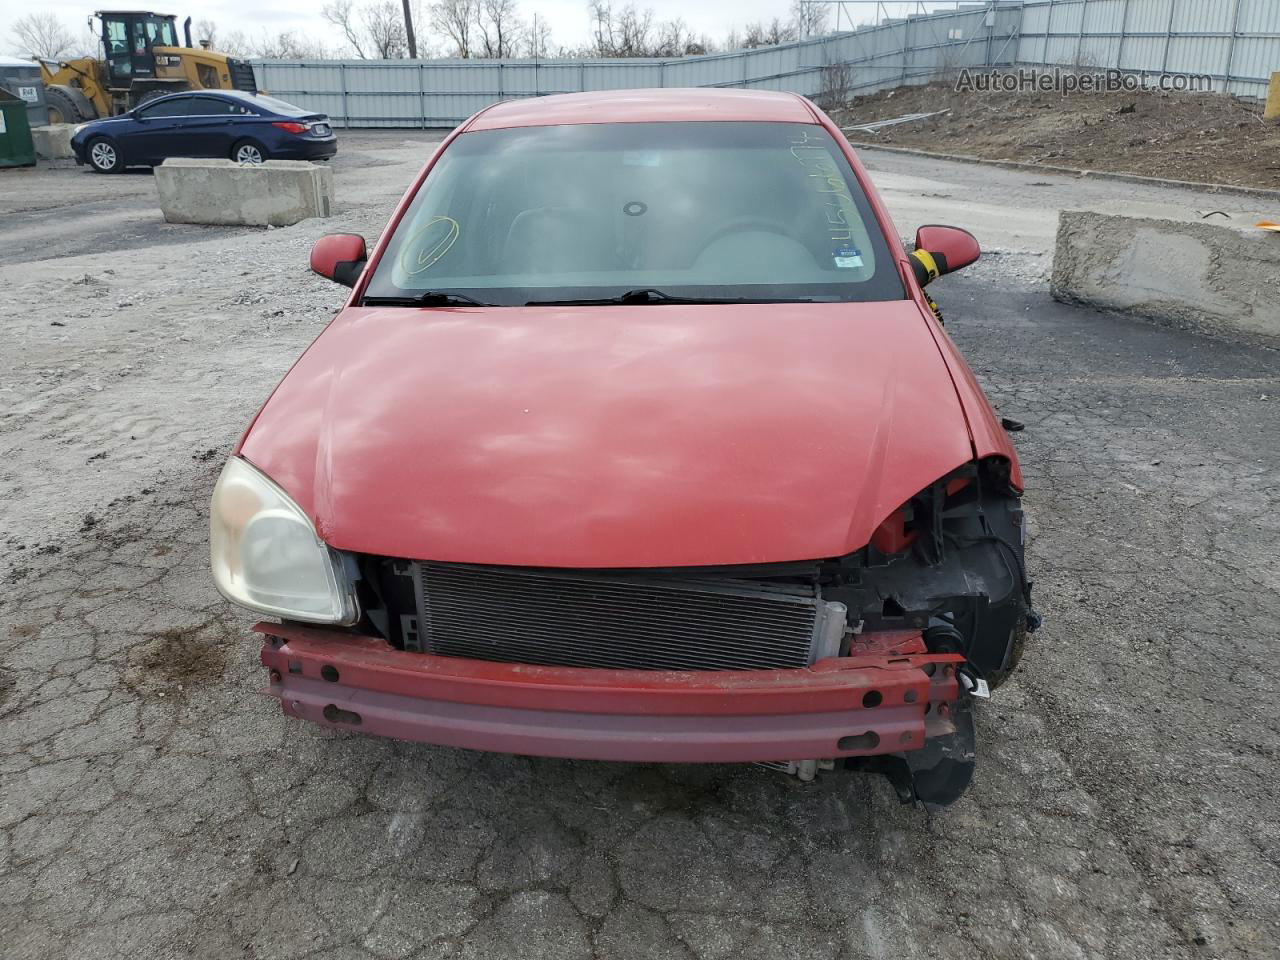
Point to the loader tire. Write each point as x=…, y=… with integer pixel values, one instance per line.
x=63, y=107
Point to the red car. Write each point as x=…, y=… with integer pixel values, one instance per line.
x=637, y=440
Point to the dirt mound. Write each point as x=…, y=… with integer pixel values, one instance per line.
x=1212, y=138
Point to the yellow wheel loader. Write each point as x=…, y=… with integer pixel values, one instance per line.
x=141, y=59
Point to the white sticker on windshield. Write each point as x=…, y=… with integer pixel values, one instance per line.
x=848, y=258
x=641, y=158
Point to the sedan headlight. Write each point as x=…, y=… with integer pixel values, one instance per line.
x=266, y=554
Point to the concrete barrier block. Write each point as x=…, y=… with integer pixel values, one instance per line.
x=276, y=193
x=1208, y=276
x=53, y=141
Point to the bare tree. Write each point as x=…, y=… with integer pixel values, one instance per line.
x=237, y=44
x=207, y=33
x=837, y=85
x=287, y=45
x=42, y=35
x=672, y=39
x=628, y=32
x=384, y=26
x=341, y=13
x=768, y=34
x=538, y=38
x=699, y=46
x=809, y=19
x=456, y=19
x=500, y=28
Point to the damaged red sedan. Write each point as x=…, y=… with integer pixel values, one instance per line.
x=637, y=440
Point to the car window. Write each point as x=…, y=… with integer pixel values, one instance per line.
x=217, y=107
x=176, y=107
x=723, y=210
x=281, y=107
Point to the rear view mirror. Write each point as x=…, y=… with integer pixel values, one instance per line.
x=944, y=249
x=340, y=257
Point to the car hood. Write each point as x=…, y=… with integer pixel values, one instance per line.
x=621, y=436
x=90, y=127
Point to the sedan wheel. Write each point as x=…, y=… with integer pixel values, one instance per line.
x=247, y=153
x=103, y=156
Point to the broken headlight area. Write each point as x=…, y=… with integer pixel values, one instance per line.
x=941, y=588
x=950, y=562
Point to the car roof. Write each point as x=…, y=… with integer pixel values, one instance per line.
x=227, y=94
x=647, y=106
x=216, y=94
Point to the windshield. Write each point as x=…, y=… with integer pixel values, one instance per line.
x=767, y=211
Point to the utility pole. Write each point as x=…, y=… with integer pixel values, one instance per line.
x=408, y=32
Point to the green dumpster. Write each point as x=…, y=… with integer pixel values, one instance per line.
x=16, y=148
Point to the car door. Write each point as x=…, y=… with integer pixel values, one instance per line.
x=159, y=132
x=213, y=125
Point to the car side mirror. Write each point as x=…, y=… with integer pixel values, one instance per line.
x=340, y=257
x=942, y=250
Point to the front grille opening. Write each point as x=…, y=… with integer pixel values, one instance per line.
x=621, y=621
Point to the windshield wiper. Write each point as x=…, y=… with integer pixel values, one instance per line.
x=650, y=295
x=428, y=298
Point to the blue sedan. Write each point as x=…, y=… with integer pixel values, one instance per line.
x=245, y=127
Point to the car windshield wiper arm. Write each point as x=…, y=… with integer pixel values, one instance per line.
x=428, y=298
x=650, y=295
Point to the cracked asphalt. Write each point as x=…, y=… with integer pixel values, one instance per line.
x=152, y=804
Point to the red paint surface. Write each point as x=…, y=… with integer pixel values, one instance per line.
x=646, y=106
x=958, y=247
x=612, y=436
x=335, y=248
x=639, y=715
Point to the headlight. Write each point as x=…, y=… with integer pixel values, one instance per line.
x=77, y=128
x=266, y=555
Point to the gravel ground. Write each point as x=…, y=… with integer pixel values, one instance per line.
x=1205, y=137
x=153, y=805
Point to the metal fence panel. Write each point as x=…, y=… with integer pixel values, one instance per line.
x=1150, y=16
x=559, y=77
x=1255, y=57
x=1214, y=17
x=1035, y=19
x=1098, y=53
x=1199, y=55
x=1143, y=55
x=1103, y=16
x=1259, y=16
x=1235, y=41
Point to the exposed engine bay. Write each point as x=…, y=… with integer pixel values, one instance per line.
x=946, y=570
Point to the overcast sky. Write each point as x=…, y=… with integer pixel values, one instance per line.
x=568, y=18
